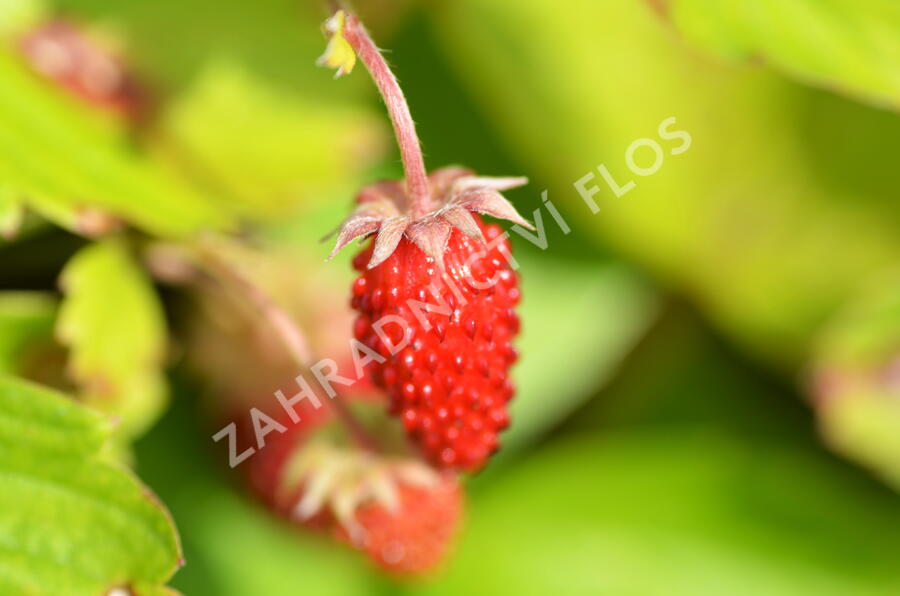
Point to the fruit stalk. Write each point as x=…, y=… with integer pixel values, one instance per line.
x=287, y=331
x=404, y=127
x=451, y=386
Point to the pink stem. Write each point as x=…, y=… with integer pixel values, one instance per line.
x=404, y=127
x=288, y=332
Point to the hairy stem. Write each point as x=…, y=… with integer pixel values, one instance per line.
x=287, y=331
x=404, y=127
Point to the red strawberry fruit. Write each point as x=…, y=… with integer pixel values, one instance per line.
x=413, y=537
x=402, y=513
x=449, y=382
x=394, y=507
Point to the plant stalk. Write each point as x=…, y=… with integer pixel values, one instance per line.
x=288, y=332
x=398, y=109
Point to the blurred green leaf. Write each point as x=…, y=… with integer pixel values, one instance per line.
x=278, y=40
x=861, y=422
x=677, y=512
x=845, y=45
x=578, y=323
x=866, y=333
x=269, y=148
x=11, y=212
x=17, y=16
x=62, y=160
x=71, y=523
x=857, y=379
x=26, y=318
x=771, y=217
x=113, y=324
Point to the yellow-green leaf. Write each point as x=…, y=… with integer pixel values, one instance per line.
x=11, y=212
x=63, y=160
x=847, y=45
x=778, y=180
x=680, y=512
x=268, y=148
x=855, y=364
x=113, y=324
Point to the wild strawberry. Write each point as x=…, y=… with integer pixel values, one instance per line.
x=402, y=513
x=450, y=382
x=266, y=469
x=397, y=509
x=414, y=536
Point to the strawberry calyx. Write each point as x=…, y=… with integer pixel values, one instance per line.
x=424, y=208
x=384, y=209
x=323, y=478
